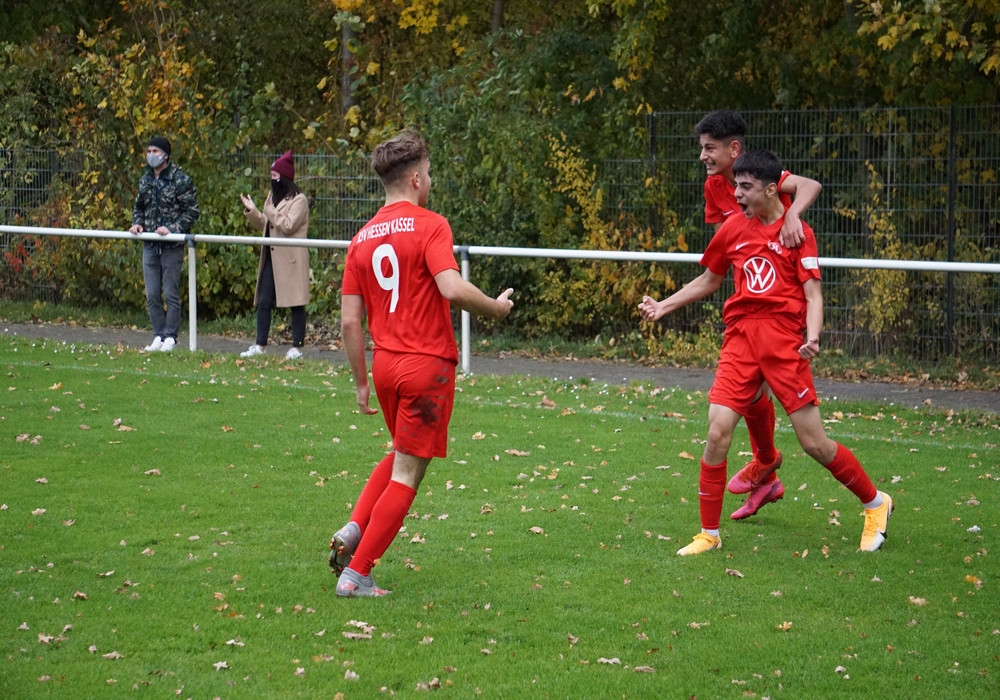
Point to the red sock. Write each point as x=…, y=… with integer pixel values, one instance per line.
x=373, y=489
x=711, y=490
x=386, y=519
x=760, y=425
x=846, y=469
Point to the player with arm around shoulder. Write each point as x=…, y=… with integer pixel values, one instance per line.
x=721, y=136
x=401, y=273
x=776, y=298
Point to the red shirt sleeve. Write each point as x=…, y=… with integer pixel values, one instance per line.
x=716, y=255
x=720, y=199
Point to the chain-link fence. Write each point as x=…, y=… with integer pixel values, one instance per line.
x=912, y=184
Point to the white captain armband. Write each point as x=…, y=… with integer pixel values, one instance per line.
x=810, y=263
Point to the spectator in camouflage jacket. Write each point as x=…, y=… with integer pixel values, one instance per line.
x=167, y=202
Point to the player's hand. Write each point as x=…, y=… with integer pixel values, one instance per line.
x=791, y=233
x=504, y=304
x=362, y=394
x=650, y=309
x=810, y=349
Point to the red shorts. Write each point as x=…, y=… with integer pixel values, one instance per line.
x=416, y=394
x=757, y=350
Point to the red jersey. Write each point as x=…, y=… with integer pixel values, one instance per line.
x=720, y=198
x=391, y=262
x=767, y=277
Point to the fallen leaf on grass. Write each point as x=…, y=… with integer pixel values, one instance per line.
x=219, y=665
x=517, y=453
x=697, y=625
x=975, y=581
x=111, y=656
x=152, y=472
x=686, y=455
x=611, y=662
x=42, y=480
x=784, y=626
x=80, y=595
x=537, y=530
x=918, y=601
x=361, y=625
x=644, y=669
x=350, y=675
x=38, y=511
x=734, y=572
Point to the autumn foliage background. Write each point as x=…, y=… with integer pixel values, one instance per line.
x=522, y=103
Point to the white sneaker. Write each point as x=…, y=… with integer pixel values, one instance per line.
x=252, y=350
x=155, y=345
x=293, y=354
x=168, y=345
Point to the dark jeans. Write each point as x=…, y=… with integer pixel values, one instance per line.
x=266, y=299
x=161, y=271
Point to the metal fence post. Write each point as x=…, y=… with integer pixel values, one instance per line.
x=949, y=331
x=466, y=316
x=192, y=295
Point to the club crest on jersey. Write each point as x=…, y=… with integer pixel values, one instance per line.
x=775, y=246
x=760, y=275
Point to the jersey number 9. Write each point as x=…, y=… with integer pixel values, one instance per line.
x=390, y=282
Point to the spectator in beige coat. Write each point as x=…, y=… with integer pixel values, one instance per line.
x=283, y=272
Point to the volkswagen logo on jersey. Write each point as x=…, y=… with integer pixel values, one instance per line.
x=760, y=275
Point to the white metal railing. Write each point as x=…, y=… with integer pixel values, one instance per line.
x=466, y=253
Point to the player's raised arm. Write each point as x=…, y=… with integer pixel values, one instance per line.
x=700, y=287
x=804, y=191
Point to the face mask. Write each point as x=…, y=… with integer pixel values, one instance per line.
x=155, y=160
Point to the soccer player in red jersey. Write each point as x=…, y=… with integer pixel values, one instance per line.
x=776, y=297
x=401, y=272
x=721, y=134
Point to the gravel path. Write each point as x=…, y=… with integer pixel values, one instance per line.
x=595, y=370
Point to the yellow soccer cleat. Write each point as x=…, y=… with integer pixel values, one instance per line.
x=703, y=542
x=876, y=520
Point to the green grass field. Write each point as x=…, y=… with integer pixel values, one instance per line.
x=165, y=522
